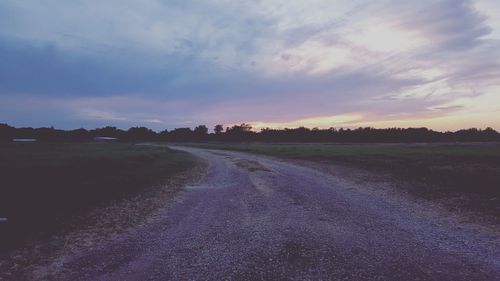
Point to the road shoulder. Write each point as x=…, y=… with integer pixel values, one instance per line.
x=397, y=191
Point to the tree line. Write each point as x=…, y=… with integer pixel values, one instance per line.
x=244, y=133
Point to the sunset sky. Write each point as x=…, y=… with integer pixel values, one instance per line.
x=168, y=64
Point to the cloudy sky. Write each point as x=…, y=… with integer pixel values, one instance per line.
x=166, y=64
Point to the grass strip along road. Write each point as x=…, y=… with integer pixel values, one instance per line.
x=45, y=187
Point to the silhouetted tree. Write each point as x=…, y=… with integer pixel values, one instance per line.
x=200, y=133
x=243, y=132
x=78, y=135
x=243, y=128
x=163, y=135
x=181, y=134
x=218, y=129
x=6, y=132
x=140, y=134
x=201, y=130
x=108, y=131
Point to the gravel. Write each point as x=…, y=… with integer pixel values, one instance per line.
x=257, y=218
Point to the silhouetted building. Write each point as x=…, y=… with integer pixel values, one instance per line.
x=105, y=139
x=24, y=140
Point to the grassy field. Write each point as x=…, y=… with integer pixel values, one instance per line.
x=45, y=186
x=462, y=175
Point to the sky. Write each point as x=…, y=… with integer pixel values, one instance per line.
x=314, y=63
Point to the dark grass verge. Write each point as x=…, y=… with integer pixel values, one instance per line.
x=45, y=186
x=462, y=176
x=87, y=193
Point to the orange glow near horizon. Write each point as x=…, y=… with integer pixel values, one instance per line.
x=439, y=123
x=319, y=121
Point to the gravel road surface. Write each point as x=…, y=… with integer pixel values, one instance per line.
x=257, y=218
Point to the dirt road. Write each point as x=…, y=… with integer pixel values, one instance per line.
x=257, y=218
